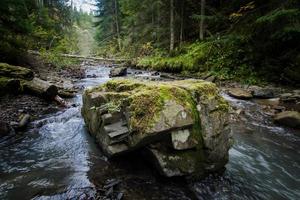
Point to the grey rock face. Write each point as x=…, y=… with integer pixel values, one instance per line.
x=288, y=118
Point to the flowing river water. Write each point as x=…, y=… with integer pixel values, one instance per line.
x=57, y=159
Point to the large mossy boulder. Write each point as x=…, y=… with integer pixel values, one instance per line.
x=12, y=71
x=181, y=125
x=15, y=80
x=12, y=77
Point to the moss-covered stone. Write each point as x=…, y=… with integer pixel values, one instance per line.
x=11, y=71
x=9, y=86
x=150, y=112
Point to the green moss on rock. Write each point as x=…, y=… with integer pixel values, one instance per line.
x=15, y=72
x=155, y=111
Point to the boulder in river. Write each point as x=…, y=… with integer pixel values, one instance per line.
x=118, y=71
x=288, y=118
x=5, y=129
x=181, y=125
x=262, y=93
x=240, y=93
x=290, y=98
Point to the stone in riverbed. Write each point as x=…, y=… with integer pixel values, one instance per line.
x=188, y=117
x=262, y=93
x=5, y=129
x=171, y=163
x=9, y=86
x=288, y=118
x=239, y=93
x=118, y=71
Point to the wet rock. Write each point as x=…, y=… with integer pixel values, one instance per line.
x=40, y=88
x=188, y=117
x=118, y=71
x=73, y=72
x=239, y=93
x=138, y=72
x=14, y=125
x=91, y=76
x=239, y=112
x=155, y=74
x=262, y=93
x=279, y=108
x=110, y=190
x=290, y=100
x=5, y=129
x=168, y=76
x=182, y=139
x=65, y=93
x=174, y=164
x=25, y=119
x=9, y=86
x=290, y=97
x=211, y=79
x=296, y=92
x=288, y=118
x=269, y=102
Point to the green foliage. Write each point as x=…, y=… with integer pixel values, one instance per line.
x=54, y=59
x=281, y=24
x=259, y=41
x=275, y=16
x=27, y=24
x=224, y=57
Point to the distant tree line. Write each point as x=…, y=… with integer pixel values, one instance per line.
x=32, y=24
x=230, y=37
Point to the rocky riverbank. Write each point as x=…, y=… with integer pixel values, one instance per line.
x=31, y=92
x=281, y=103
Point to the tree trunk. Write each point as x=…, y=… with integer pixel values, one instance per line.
x=158, y=24
x=40, y=88
x=202, y=19
x=182, y=22
x=172, y=34
x=117, y=24
x=61, y=101
x=153, y=21
x=40, y=3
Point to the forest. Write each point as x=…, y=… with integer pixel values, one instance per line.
x=149, y=99
x=242, y=40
